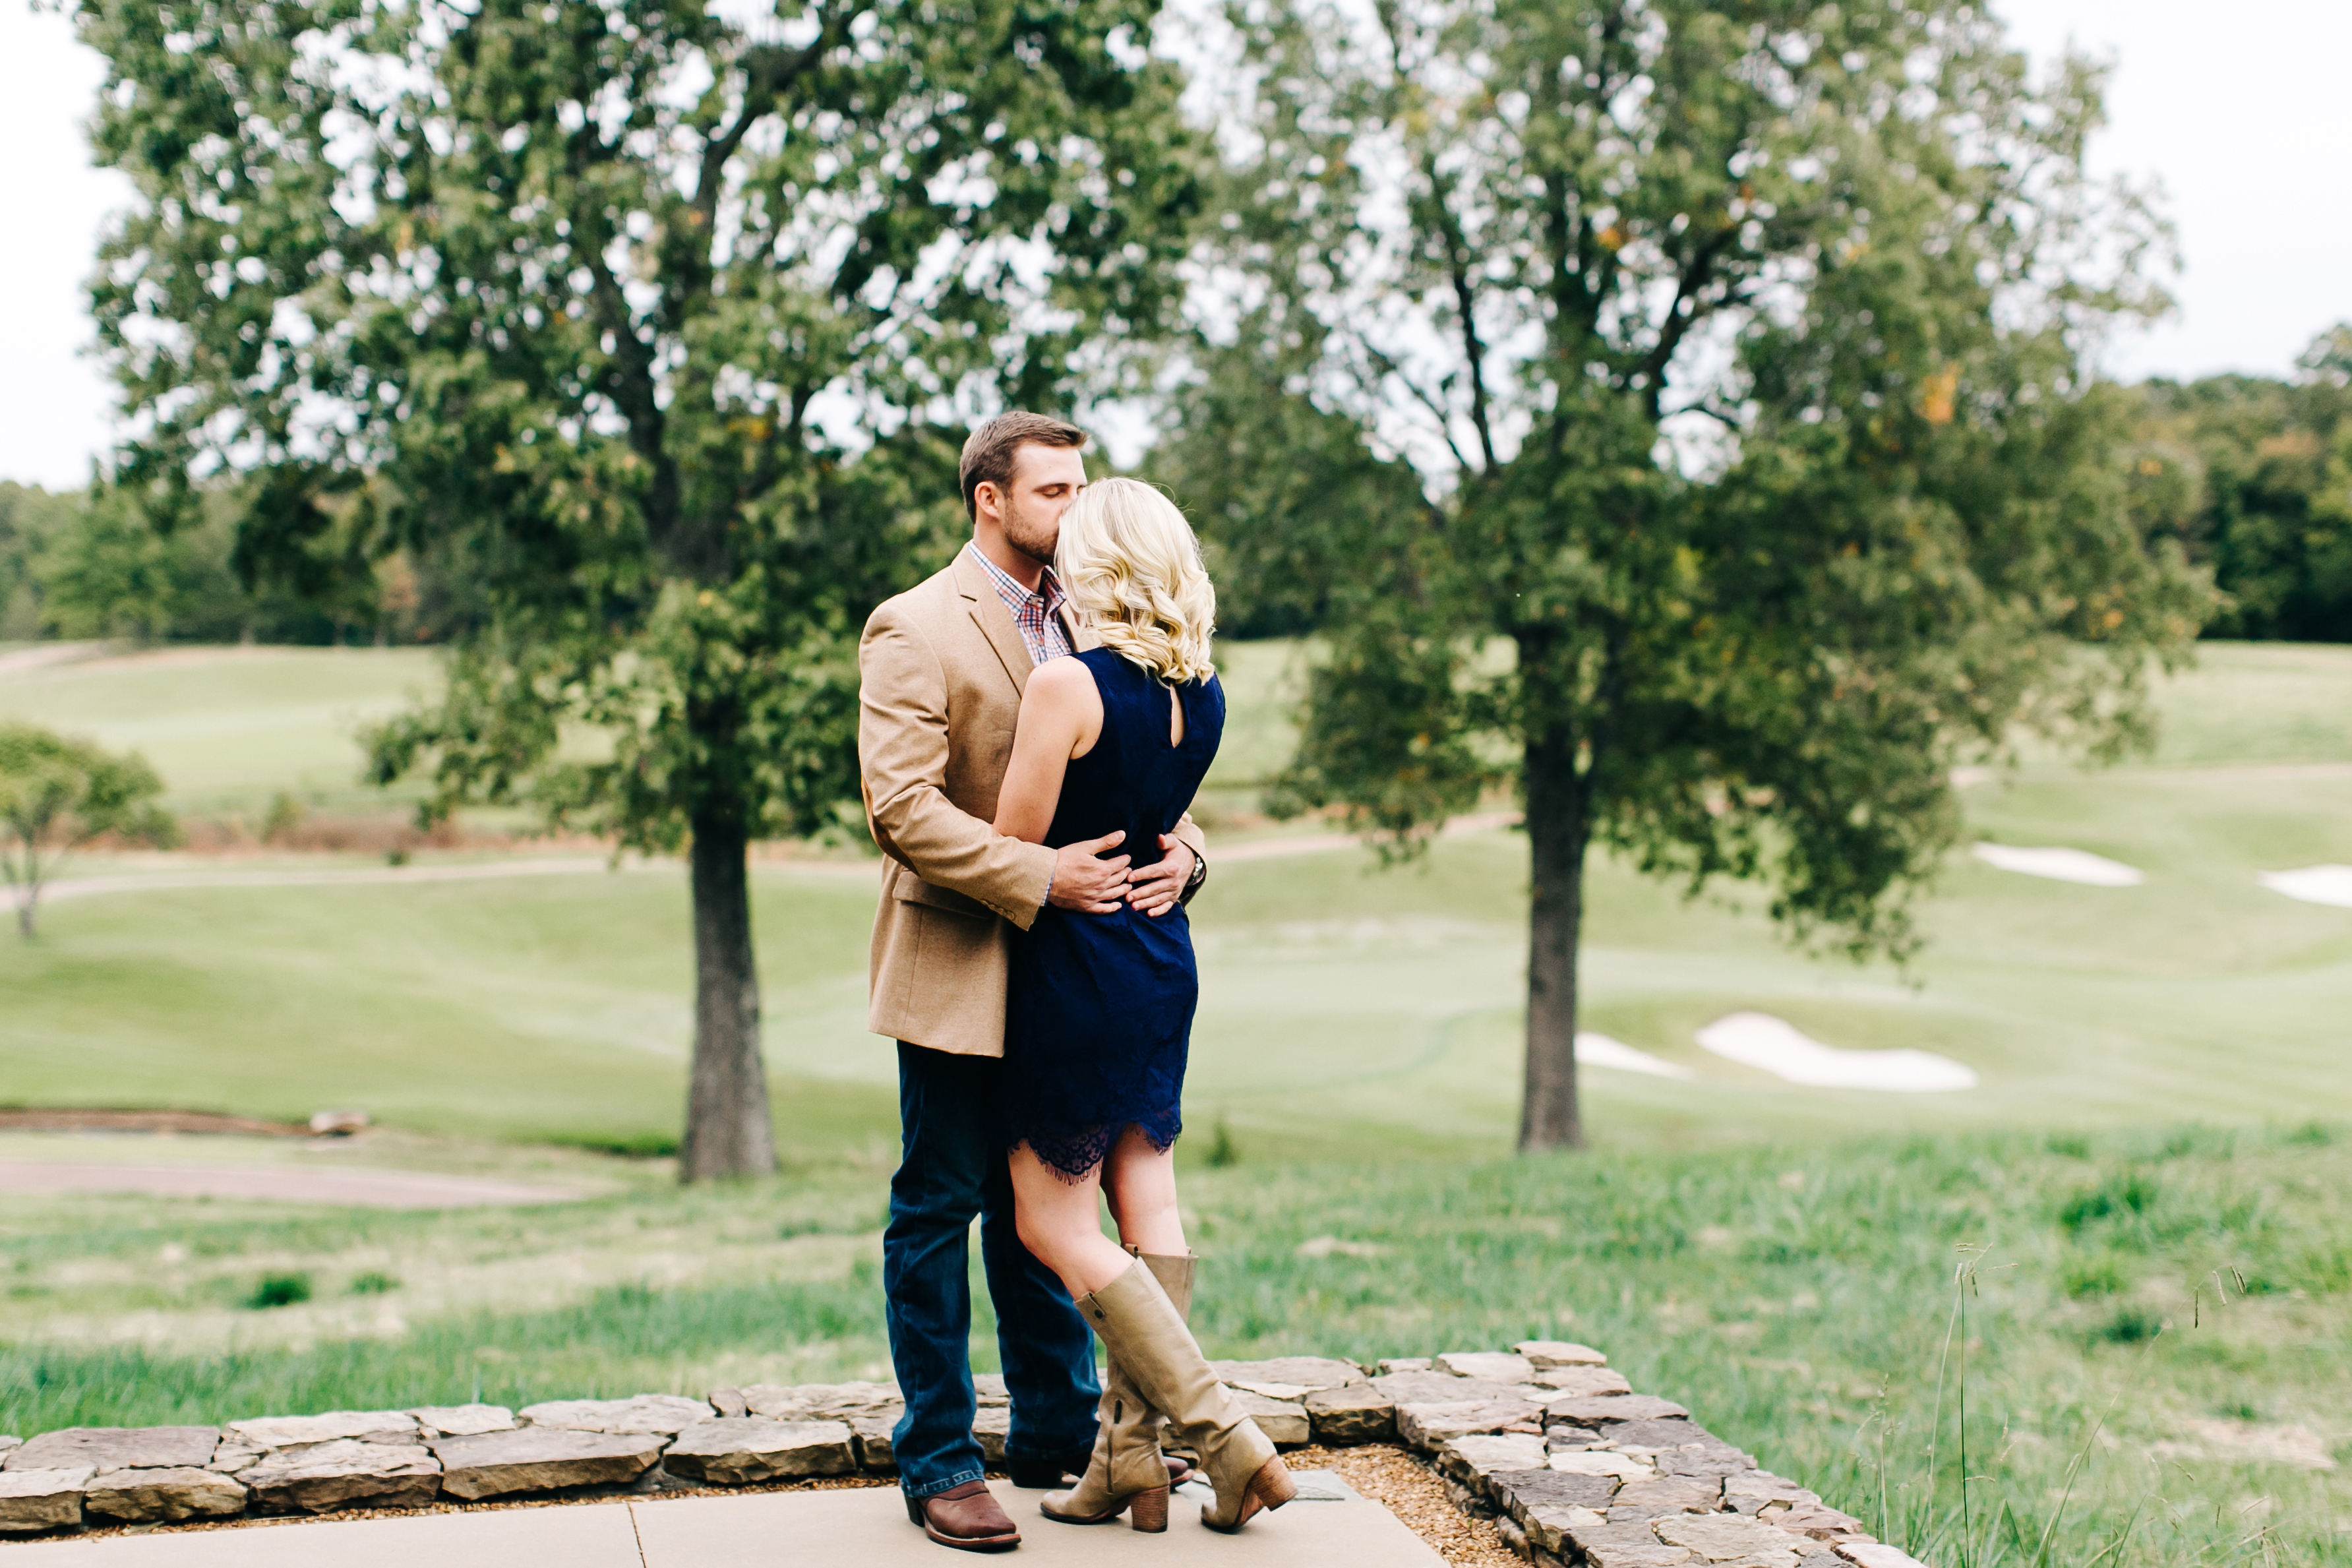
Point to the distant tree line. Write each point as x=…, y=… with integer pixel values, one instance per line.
x=79, y=565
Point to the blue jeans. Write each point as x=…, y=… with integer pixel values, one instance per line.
x=947, y=1174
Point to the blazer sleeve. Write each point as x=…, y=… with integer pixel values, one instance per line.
x=902, y=760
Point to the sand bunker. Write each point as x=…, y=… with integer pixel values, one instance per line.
x=1601, y=1051
x=2313, y=884
x=2061, y=864
x=1776, y=1046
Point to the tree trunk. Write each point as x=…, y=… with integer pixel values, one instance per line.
x=1558, y=824
x=729, y=1131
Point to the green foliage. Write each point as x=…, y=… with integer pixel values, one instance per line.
x=279, y=1290
x=57, y=795
x=29, y=519
x=1738, y=354
x=608, y=308
x=375, y=1283
x=657, y=328
x=2254, y=475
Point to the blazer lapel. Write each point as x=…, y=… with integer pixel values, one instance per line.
x=995, y=621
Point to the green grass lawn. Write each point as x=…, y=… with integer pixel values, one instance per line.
x=1777, y=1256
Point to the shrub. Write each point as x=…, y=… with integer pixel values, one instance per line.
x=280, y=1290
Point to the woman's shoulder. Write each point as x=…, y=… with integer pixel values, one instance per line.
x=1063, y=680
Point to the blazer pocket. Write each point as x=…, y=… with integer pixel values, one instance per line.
x=913, y=890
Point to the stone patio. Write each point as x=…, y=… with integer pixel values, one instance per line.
x=1571, y=1465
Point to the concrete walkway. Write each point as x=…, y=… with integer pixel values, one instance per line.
x=866, y=1527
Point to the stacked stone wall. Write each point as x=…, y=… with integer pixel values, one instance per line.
x=1573, y=1465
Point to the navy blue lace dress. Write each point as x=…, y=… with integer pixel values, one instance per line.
x=1101, y=1007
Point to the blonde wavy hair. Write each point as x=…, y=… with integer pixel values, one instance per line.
x=1132, y=568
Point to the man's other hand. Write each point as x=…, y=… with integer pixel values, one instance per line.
x=1157, y=886
x=1083, y=882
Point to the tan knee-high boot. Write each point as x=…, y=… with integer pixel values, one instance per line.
x=1127, y=1473
x=1140, y=1327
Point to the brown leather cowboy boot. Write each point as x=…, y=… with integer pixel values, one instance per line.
x=966, y=1518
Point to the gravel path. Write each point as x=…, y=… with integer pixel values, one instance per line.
x=1413, y=1491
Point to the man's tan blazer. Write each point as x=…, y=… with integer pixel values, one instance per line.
x=941, y=672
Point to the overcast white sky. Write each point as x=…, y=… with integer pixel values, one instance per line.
x=2242, y=112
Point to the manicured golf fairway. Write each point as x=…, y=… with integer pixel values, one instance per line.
x=1340, y=1004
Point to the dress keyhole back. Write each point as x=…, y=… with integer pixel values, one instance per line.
x=1175, y=718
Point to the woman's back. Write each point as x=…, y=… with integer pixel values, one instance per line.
x=1135, y=778
x=1099, y=1019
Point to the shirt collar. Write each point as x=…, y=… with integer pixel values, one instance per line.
x=1009, y=589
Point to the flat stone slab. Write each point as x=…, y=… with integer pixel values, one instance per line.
x=1472, y=1460
x=1495, y=1366
x=1583, y=1381
x=292, y=1431
x=157, y=1497
x=990, y=1427
x=1441, y=1388
x=820, y=1401
x=1289, y=1376
x=1665, y=1495
x=1729, y=1538
x=117, y=1448
x=35, y=1501
x=1560, y=1352
x=1284, y=1421
x=663, y=1413
x=733, y=1451
x=344, y=1473
x=542, y=1459
x=1358, y=1413
x=463, y=1420
x=1584, y=1410
x=1428, y=1425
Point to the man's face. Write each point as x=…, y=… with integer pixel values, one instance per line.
x=1045, y=480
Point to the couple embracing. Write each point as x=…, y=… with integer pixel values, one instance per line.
x=1035, y=720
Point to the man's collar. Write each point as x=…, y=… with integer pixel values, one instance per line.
x=1009, y=587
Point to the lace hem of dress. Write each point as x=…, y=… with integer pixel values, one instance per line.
x=1077, y=1156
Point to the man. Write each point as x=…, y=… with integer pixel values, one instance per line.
x=941, y=669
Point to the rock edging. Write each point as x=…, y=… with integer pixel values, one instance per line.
x=1573, y=1466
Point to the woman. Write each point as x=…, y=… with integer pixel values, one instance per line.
x=1118, y=738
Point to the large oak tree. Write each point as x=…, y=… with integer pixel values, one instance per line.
x=656, y=325
x=1735, y=358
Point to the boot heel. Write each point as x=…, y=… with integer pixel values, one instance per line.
x=1272, y=1484
x=1147, y=1511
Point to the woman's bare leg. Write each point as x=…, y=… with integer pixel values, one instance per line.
x=1061, y=1222
x=1140, y=1182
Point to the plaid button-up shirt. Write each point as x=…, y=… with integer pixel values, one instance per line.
x=1038, y=614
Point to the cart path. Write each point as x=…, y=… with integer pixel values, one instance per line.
x=345, y=1188
x=580, y=865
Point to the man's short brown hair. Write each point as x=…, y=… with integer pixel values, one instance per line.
x=988, y=452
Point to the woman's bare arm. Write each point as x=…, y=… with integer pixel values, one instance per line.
x=1061, y=716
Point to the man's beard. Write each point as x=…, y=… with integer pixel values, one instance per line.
x=1024, y=535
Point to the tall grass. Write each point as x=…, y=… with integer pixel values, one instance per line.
x=2001, y=1352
